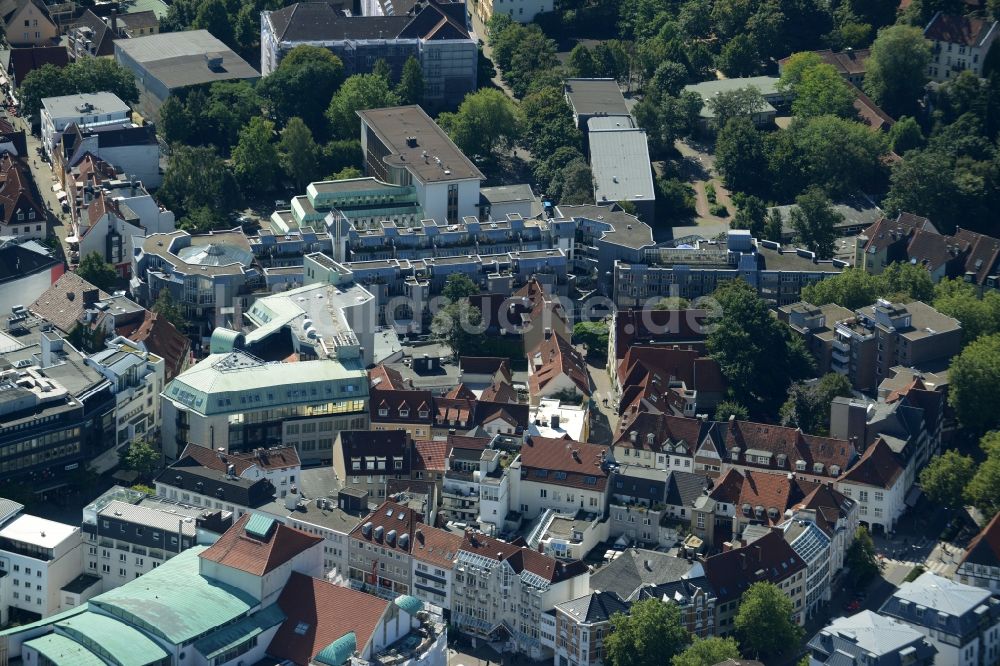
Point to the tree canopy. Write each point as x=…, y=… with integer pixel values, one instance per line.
x=974, y=384
x=861, y=558
x=983, y=490
x=86, y=75
x=302, y=87
x=946, y=476
x=97, y=272
x=199, y=187
x=300, y=155
x=358, y=93
x=764, y=622
x=979, y=315
x=815, y=220
x=708, y=652
x=255, y=158
x=210, y=115
x=142, y=457
x=650, y=635
x=897, y=69
x=487, y=123
x=808, y=404
x=854, y=288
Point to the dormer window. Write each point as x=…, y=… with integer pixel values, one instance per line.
x=383, y=411
x=800, y=465
x=403, y=413
x=424, y=413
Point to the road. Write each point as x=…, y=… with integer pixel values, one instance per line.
x=480, y=30
x=41, y=172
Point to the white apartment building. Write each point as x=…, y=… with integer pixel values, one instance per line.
x=526, y=583
x=981, y=564
x=137, y=377
x=521, y=11
x=37, y=557
x=877, y=482
x=433, y=557
x=561, y=475
x=958, y=44
x=86, y=110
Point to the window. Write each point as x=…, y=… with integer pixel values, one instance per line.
x=879, y=496
x=543, y=493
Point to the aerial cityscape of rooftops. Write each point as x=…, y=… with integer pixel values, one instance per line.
x=472, y=332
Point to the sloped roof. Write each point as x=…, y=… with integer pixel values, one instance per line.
x=878, y=466
x=63, y=302
x=396, y=403
x=984, y=549
x=564, y=462
x=384, y=377
x=25, y=60
x=558, y=357
x=769, y=558
x=162, y=338
x=278, y=457
x=258, y=551
x=661, y=326
x=637, y=567
x=728, y=487
x=430, y=455
x=318, y=613
x=521, y=558
x=436, y=546
x=683, y=488
x=594, y=607
x=390, y=516
x=963, y=30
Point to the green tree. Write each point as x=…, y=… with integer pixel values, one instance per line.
x=764, y=622
x=486, y=123
x=815, y=220
x=97, y=272
x=581, y=62
x=339, y=154
x=756, y=353
x=212, y=16
x=669, y=78
x=411, y=82
x=459, y=287
x=594, y=334
x=796, y=66
x=459, y=325
x=143, y=458
x=774, y=225
x=740, y=153
x=852, y=289
x=739, y=57
x=666, y=118
x=302, y=86
x=907, y=282
x=905, y=135
x=897, y=69
x=974, y=390
x=820, y=91
x=983, y=491
x=382, y=70
x=548, y=172
x=674, y=200
x=708, y=652
x=751, y=215
x=739, y=103
x=88, y=75
x=255, y=158
x=198, y=180
x=946, y=476
x=959, y=299
x=358, y=93
x=650, y=635
x=299, y=153
x=861, y=558
x=728, y=409
x=176, y=124
x=167, y=308
x=808, y=405
x=547, y=123
x=576, y=183
x=672, y=303
x=347, y=173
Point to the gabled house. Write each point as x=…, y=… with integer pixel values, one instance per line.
x=22, y=61
x=958, y=44
x=556, y=367
x=581, y=626
x=559, y=475
x=980, y=566
x=877, y=482
x=409, y=410
x=29, y=24
x=379, y=550
x=21, y=214
x=434, y=554
x=364, y=459
x=189, y=481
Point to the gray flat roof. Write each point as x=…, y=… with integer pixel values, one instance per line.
x=69, y=105
x=180, y=59
x=507, y=193
x=619, y=160
x=418, y=144
x=609, y=123
x=592, y=97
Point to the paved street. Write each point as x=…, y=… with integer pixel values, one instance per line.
x=42, y=174
x=604, y=418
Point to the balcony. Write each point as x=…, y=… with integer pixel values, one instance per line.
x=840, y=357
x=840, y=345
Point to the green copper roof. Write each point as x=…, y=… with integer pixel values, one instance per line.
x=103, y=634
x=339, y=651
x=411, y=605
x=51, y=619
x=214, y=644
x=260, y=527
x=175, y=601
x=158, y=7
x=225, y=340
x=63, y=651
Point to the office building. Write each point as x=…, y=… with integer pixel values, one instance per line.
x=869, y=638
x=38, y=557
x=83, y=110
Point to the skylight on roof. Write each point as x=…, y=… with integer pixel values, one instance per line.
x=301, y=628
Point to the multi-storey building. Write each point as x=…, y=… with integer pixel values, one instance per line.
x=22, y=215
x=877, y=482
x=522, y=11
x=38, y=558
x=433, y=554
x=364, y=459
x=27, y=270
x=85, y=110
x=958, y=44
x=137, y=378
x=380, y=550
x=581, y=626
x=189, y=482
x=56, y=412
x=436, y=33
x=237, y=401
x=476, y=486
x=869, y=638
x=127, y=533
x=561, y=475
x=960, y=621
x=525, y=585
x=980, y=566
x=642, y=499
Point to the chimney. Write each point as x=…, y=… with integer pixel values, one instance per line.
x=292, y=498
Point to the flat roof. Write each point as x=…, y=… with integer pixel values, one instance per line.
x=37, y=531
x=623, y=229
x=619, y=160
x=507, y=193
x=592, y=97
x=418, y=144
x=609, y=122
x=180, y=59
x=68, y=106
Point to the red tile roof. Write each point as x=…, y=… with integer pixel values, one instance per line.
x=162, y=338
x=790, y=442
x=436, y=546
x=878, y=466
x=386, y=378
x=430, y=455
x=959, y=29
x=769, y=558
x=522, y=558
x=662, y=326
x=985, y=547
x=328, y=612
x=279, y=457
x=460, y=392
x=238, y=549
x=578, y=462
x=557, y=357
x=459, y=410
x=389, y=516
x=499, y=392
x=728, y=487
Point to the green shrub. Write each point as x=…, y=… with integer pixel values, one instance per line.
x=718, y=210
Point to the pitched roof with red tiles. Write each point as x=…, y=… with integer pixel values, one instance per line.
x=660, y=326
x=887, y=231
x=982, y=253
x=485, y=365
x=769, y=558
x=963, y=30
x=454, y=411
x=460, y=392
x=279, y=457
x=24, y=60
x=789, y=442
x=436, y=546
x=728, y=487
x=772, y=491
x=878, y=466
x=467, y=443
x=555, y=357
x=430, y=455
x=401, y=406
x=327, y=612
x=386, y=378
x=238, y=549
x=389, y=516
x=17, y=195
x=499, y=392
x=522, y=558
x=162, y=338
x=564, y=462
x=984, y=549
x=829, y=504
x=63, y=303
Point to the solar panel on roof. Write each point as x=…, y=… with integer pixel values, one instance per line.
x=260, y=527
